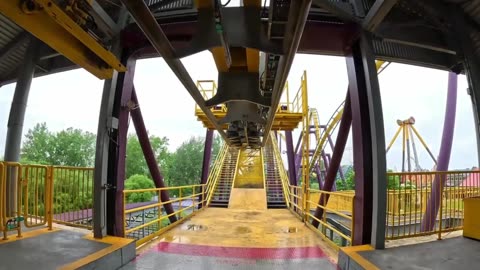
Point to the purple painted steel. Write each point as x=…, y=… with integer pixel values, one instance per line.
x=319, y=176
x=207, y=155
x=291, y=158
x=142, y=134
x=123, y=118
x=297, y=147
x=433, y=204
x=337, y=155
x=340, y=171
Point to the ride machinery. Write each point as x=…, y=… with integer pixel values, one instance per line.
x=409, y=132
x=252, y=67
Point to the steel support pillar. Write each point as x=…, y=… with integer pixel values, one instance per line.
x=207, y=155
x=368, y=145
x=337, y=155
x=115, y=196
x=106, y=154
x=16, y=118
x=433, y=203
x=157, y=176
x=472, y=68
x=104, y=170
x=292, y=174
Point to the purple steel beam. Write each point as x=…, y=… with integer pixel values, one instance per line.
x=368, y=144
x=337, y=155
x=433, y=204
x=207, y=155
x=142, y=135
x=340, y=171
x=299, y=142
x=291, y=158
x=319, y=176
x=123, y=117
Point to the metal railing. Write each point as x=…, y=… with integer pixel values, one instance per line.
x=411, y=196
x=295, y=200
x=281, y=168
x=215, y=173
x=31, y=206
x=208, y=89
x=73, y=196
x=336, y=222
x=148, y=219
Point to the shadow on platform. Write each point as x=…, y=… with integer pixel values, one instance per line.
x=64, y=249
x=457, y=253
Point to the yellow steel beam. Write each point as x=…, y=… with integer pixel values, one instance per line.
x=61, y=33
x=253, y=60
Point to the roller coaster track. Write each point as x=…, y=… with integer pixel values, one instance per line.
x=331, y=124
x=327, y=131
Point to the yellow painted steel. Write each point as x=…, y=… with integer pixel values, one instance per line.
x=253, y=60
x=36, y=200
x=214, y=174
x=406, y=204
x=189, y=193
x=288, y=116
x=305, y=147
x=420, y=137
x=3, y=196
x=394, y=138
x=281, y=168
x=331, y=207
x=272, y=228
x=250, y=172
x=471, y=223
x=55, y=28
x=78, y=183
x=11, y=221
x=321, y=144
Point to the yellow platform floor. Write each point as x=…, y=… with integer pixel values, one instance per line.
x=272, y=228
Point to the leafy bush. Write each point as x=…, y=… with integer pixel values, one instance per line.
x=138, y=181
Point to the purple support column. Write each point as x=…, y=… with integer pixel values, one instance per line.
x=319, y=176
x=369, y=158
x=142, y=134
x=340, y=171
x=433, y=204
x=123, y=118
x=291, y=158
x=337, y=155
x=207, y=155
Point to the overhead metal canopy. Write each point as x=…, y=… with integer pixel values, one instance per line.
x=402, y=28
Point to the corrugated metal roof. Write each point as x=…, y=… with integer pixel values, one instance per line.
x=8, y=32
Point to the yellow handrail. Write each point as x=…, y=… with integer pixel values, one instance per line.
x=281, y=168
x=215, y=173
x=145, y=222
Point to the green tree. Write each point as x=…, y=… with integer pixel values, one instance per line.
x=74, y=147
x=185, y=165
x=135, y=161
x=70, y=147
x=38, y=145
x=139, y=182
x=349, y=183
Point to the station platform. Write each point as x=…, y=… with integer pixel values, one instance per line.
x=64, y=248
x=219, y=238
x=458, y=252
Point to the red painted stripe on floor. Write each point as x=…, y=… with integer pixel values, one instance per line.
x=240, y=252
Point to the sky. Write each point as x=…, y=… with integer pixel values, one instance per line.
x=72, y=99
